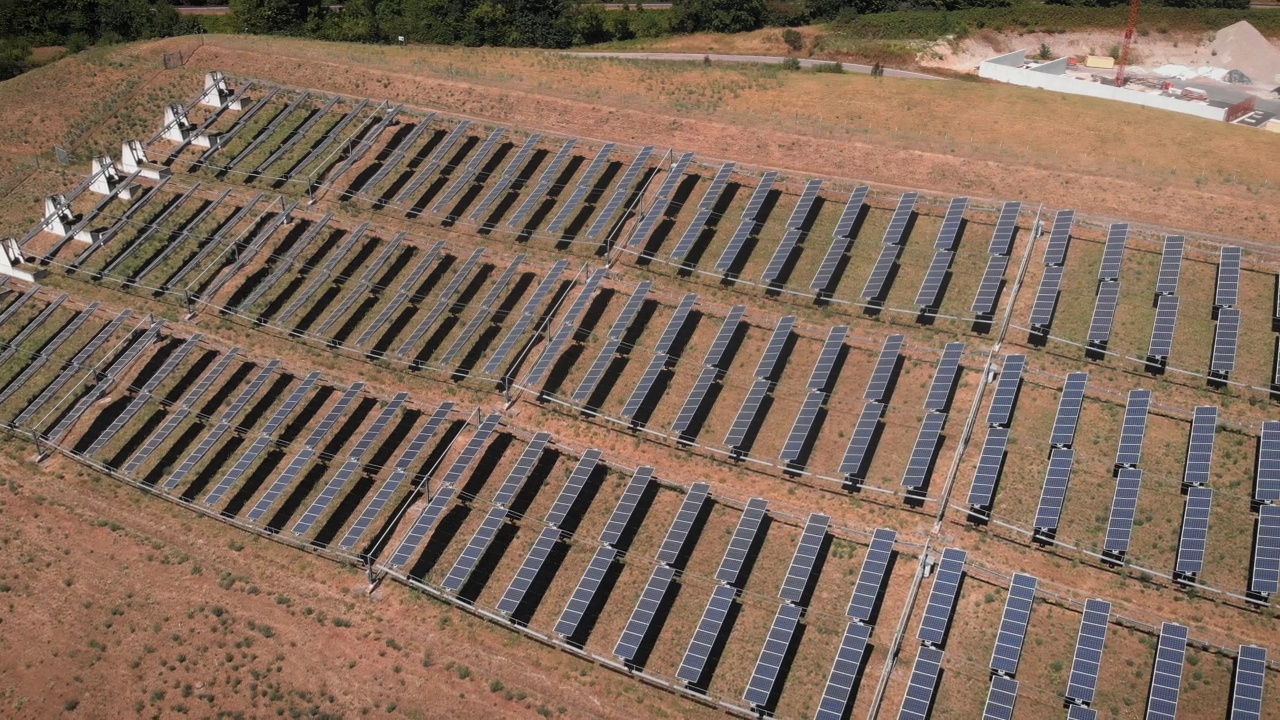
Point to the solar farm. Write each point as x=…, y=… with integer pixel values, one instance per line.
x=777, y=444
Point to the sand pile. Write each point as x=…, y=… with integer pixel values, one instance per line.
x=1241, y=47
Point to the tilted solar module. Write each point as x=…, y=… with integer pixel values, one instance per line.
x=280, y=266
x=758, y=196
x=105, y=382
x=527, y=316
x=744, y=535
x=917, y=703
x=750, y=219
x=1087, y=660
x=1056, y=478
x=403, y=292
x=1113, y=252
x=433, y=163
x=545, y=180
x=1250, y=679
x=857, y=454
x=1006, y=225
x=696, y=397
x=44, y=354
x=1170, y=265
x=508, y=176
x=984, y=302
x=334, y=415
x=1046, y=301
x=872, y=576
x=746, y=417
x=987, y=472
x=626, y=507
x=841, y=239
x=326, y=496
x=443, y=302
x=1104, y=314
x=944, y=378
x=1069, y=403
x=471, y=450
x=803, y=426
x=768, y=365
x=468, y=174
x=529, y=570
x=283, y=480
x=1080, y=712
x=370, y=436
x=852, y=208
x=715, y=354
x=170, y=364
x=568, y=327
x=1267, y=472
x=682, y=525
x=769, y=665
x=930, y=293
x=650, y=218
x=1055, y=252
x=1226, y=337
x=882, y=374
x=585, y=183
x=641, y=620
x=393, y=160
x=1227, y=293
x=675, y=324
x=640, y=393
x=621, y=191
x=1124, y=506
x=895, y=233
x=568, y=496
x=1133, y=430
x=1195, y=531
x=483, y=311
x=585, y=592
x=1161, y=345
x=520, y=471
x=360, y=289
x=316, y=278
x=475, y=549
x=800, y=573
x=707, y=635
x=1013, y=624
x=705, y=208
x=1000, y=413
x=831, y=347
x=1265, y=577
x=71, y=369
x=1204, y=427
x=942, y=597
x=773, y=271
x=1166, y=678
x=877, y=283
x=949, y=233
x=844, y=672
x=422, y=526
x=1000, y=699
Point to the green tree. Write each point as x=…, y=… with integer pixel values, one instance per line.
x=13, y=57
x=269, y=16
x=725, y=16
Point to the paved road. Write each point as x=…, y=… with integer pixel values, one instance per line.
x=760, y=59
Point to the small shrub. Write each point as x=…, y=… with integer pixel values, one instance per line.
x=1046, y=52
x=1114, y=52
x=791, y=63
x=71, y=705
x=793, y=39
x=835, y=67
x=496, y=686
x=464, y=672
x=428, y=658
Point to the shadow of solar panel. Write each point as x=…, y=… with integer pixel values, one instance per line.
x=482, y=313
x=1000, y=413
x=919, y=466
x=705, y=208
x=1227, y=293
x=1265, y=578
x=585, y=592
x=316, y=279
x=360, y=289
x=573, y=487
x=841, y=239
x=882, y=374
x=673, y=545
x=1104, y=315
x=397, y=156
x=777, y=644
x=1046, y=301
x=584, y=186
x=802, y=427
x=821, y=375
x=857, y=454
x=638, y=626
x=1267, y=473
x=694, y=402
x=81, y=408
x=1225, y=338
x=759, y=195
x=800, y=573
x=443, y=302
x=471, y=450
x=508, y=176
x=527, y=315
x=547, y=177
x=568, y=326
x=1088, y=654
x=326, y=496
x=1195, y=531
x=1166, y=678
x=1000, y=699
x=1161, y=345
x=744, y=536
x=707, y=635
x=520, y=471
x=626, y=507
x=175, y=419
x=781, y=255
x=1013, y=625
x=424, y=436
x=845, y=672
x=422, y=526
x=930, y=294
x=1057, y=477
x=1064, y=424
x=468, y=174
x=942, y=597
x=170, y=364
x=917, y=703
x=475, y=549
x=1247, y=686
x=1055, y=252
x=984, y=302
x=286, y=264
x=621, y=191
x=1133, y=430
x=944, y=378
x=877, y=284
x=529, y=570
x=895, y=234
x=872, y=576
x=403, y=292
x=1204, y=427
x=1124, y=506
x=641, y=392
x=715, y=354
x=987, y=473
x=1113, y=252
x=1170, y=265
x=1002, y=238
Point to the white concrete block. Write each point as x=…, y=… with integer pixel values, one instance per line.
x=13, y=264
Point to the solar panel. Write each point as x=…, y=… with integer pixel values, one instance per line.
x=585, y=592
x=856, y=455
x=285, y=263
x=705, y=208
x=877, y=284
x=1013, y=625
x=544, y=183
x=674, y=325
x=1170, y=265
x=429, y=429
x=335, y=414
x=638, y=626
x=984, y=303
x=744, y=535
x=768, y=364
x=895, y=233
x=1000, y=413
x=81, y=407
x=656, y=365
x=1166, y=678
x=649, y=219
x=750, y=219
x=568, y=326
x=1267, y=473
x=1225, y=338
x=694, y=401
x=821, y=375
x=918, y=700
x=930, y=294
x=715, y=354
x=1134, y=429
x=1000, y=699
x=769, y=664
x=573, y=487
x=758, y=196
x=1113, y=252
x=802, y=426
x=886, y=361
x=483, y=312
x=326, y=496
x=1064, y=424
x=746, y=417
x=1046, y=299
x=1265, y=578
x=529, y=570
x=422, y=526
x=1162, y=332
x=471, y=450
x=215, y=243
x=45, y=353
x=295, y=136
x=1124, y=505
x=527, y=316
x=799, y=574
x=1204, y=425
x=334, y=133
x=150, y=228
x=872, y=576
x=621, y=191
x=468, y=174
x=316, y=278
x=360, y=288
x=1104, y=315
x=773, y=271
x=1006, y=225
x=707, y=635
x=268, y=131
x=1250, y=679
x=849, y=216
x=508, y=176
x=170, y=364
x=678, y=533
x=626, y=507
x=114, y=229
x=1227, y=293
x=520, y=472
x=443, y=302
x=942, y=597
x=433, y=163
x=585, y=183
x=1055, y=253
x=1195, y=531
x=1088, y=655
x=393, y=160
x=1080, y=712
x=404, y=291
x=475, y=549
x=1057, y=477
x=71, y=369
x=987, y=473
x=944, y=378
x=844, y=672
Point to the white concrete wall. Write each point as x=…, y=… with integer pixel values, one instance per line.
x=999, y=69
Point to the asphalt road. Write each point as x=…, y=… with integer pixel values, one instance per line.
x=760, y=59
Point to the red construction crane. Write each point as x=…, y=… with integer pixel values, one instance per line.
x=1128, y=39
